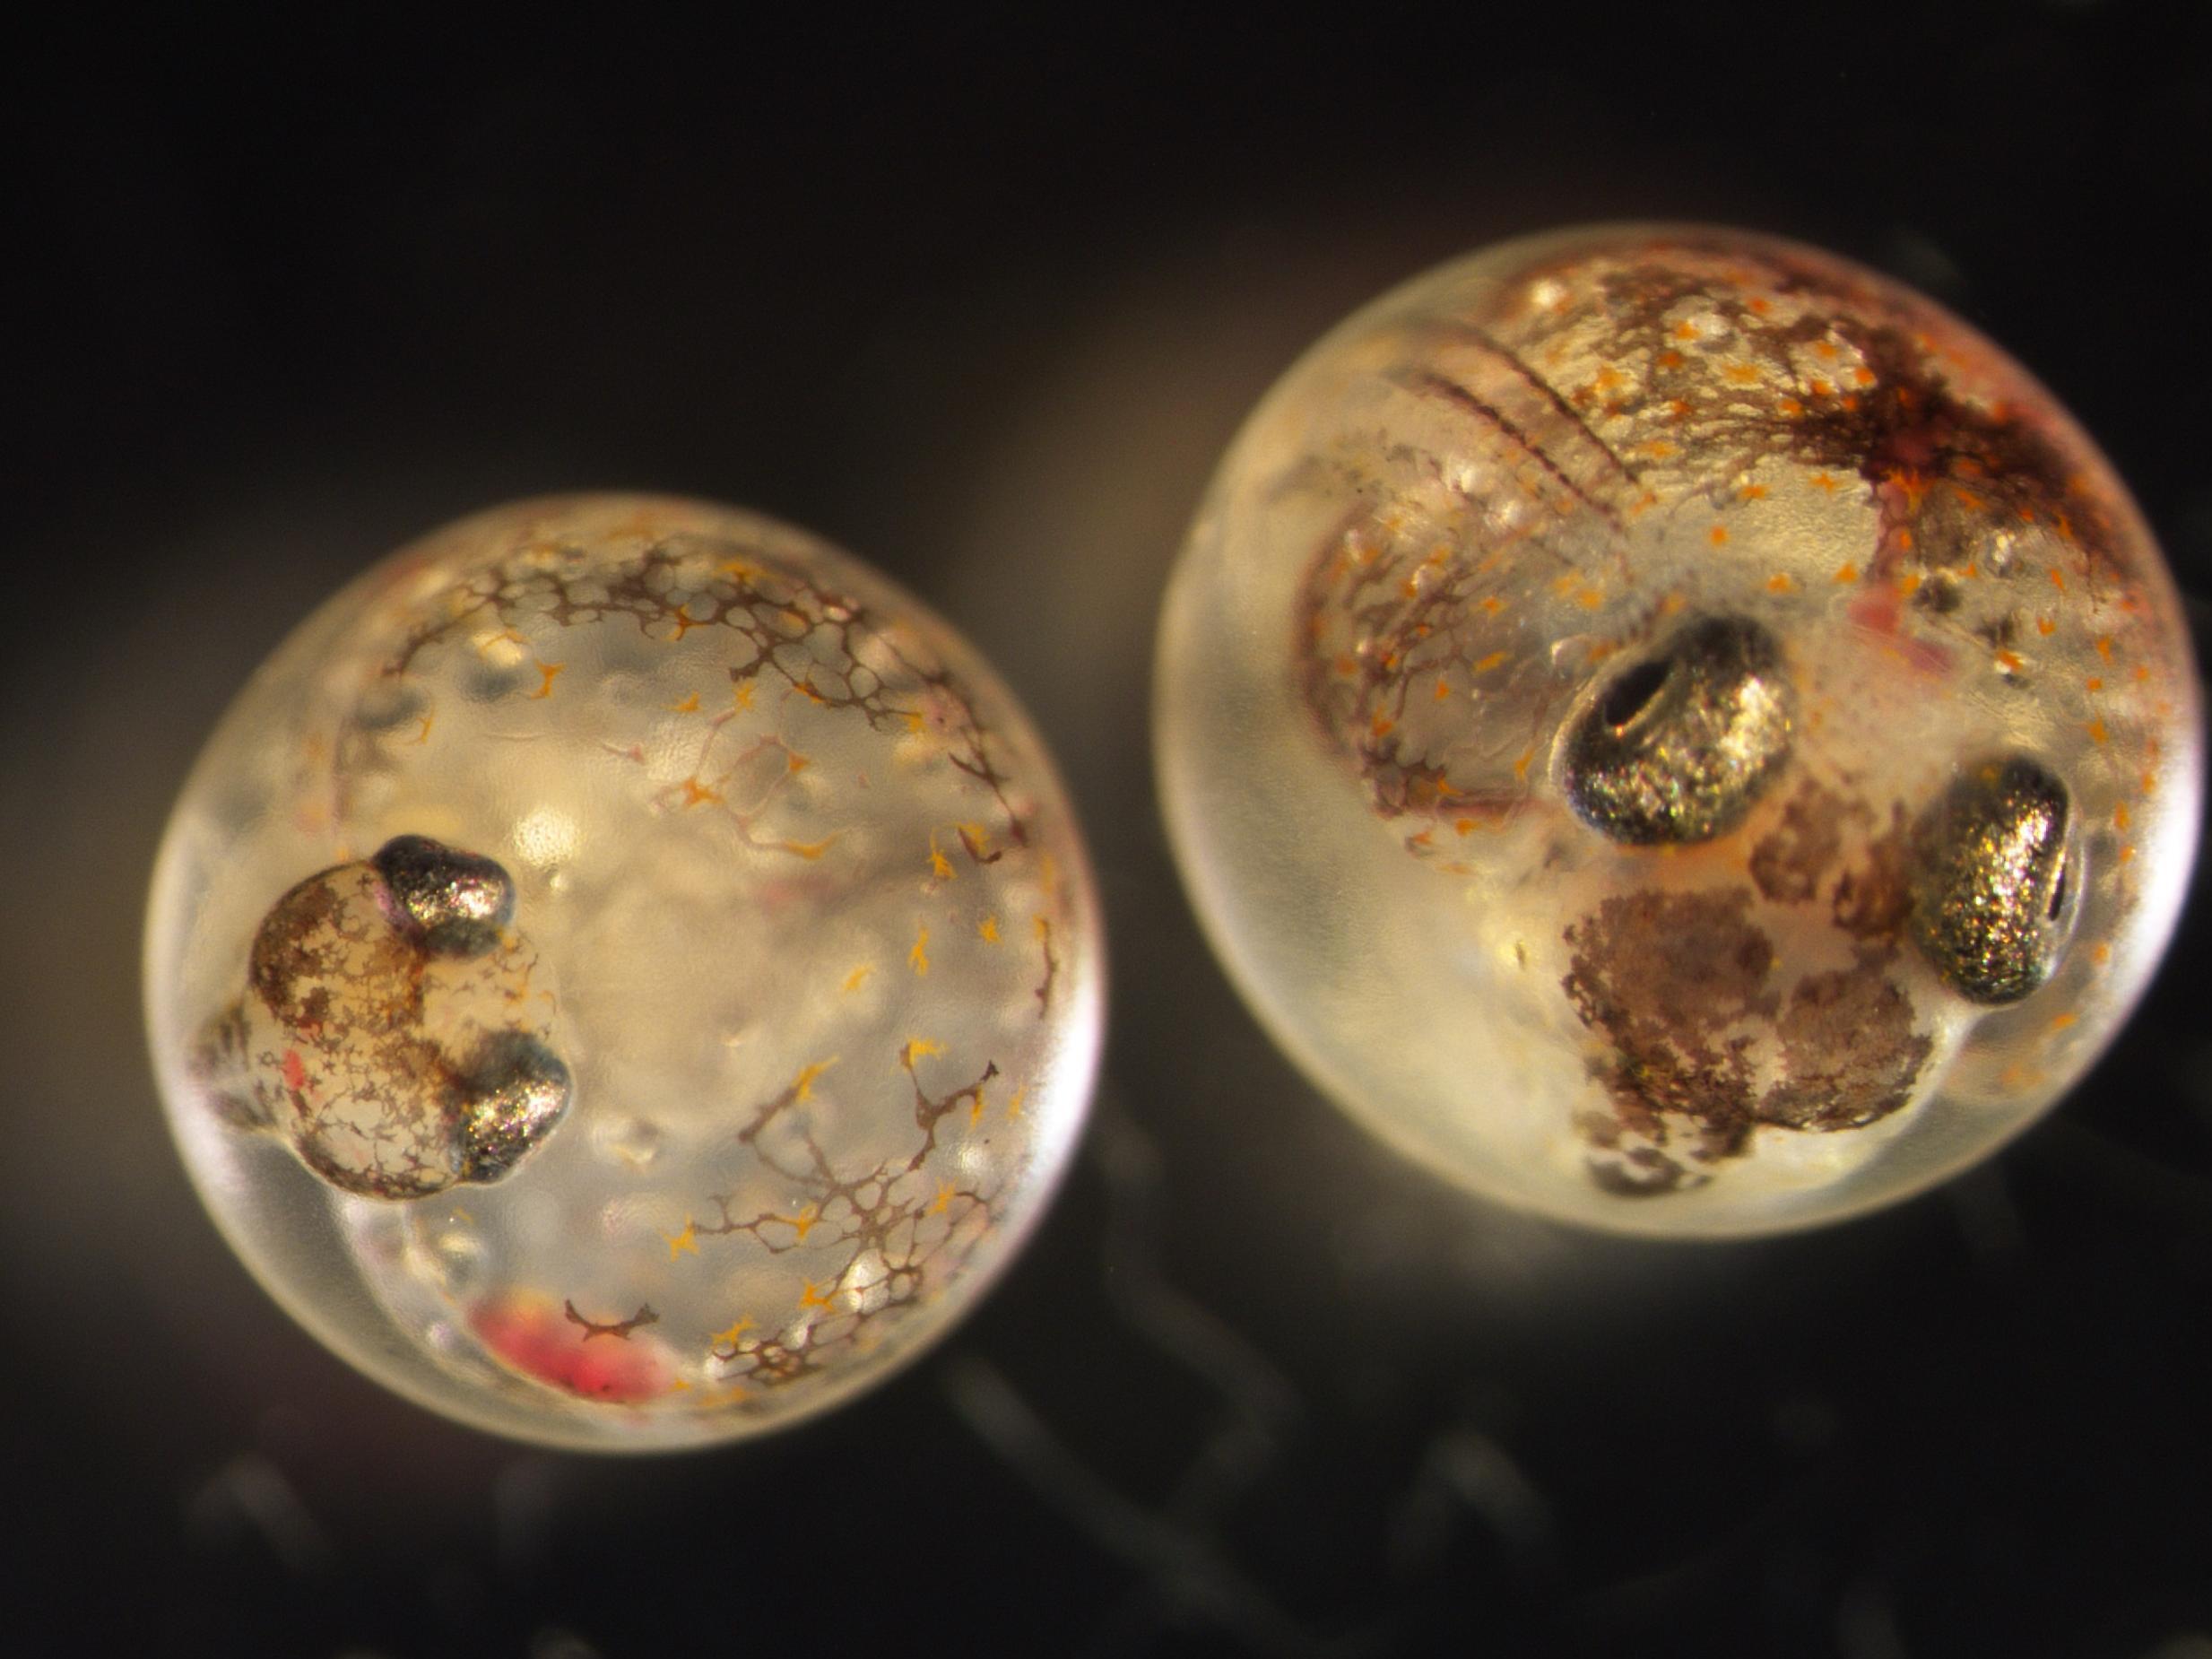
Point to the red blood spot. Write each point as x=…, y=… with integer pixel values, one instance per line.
x=537, y=1339
x=1877, y=609
x=295, y=1071
x=1880, y=610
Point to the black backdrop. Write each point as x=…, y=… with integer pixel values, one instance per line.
x=983, y=304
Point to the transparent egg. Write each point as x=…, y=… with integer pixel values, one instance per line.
x=623, y=974
x=1677, y=732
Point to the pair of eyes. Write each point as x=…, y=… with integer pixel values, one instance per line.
x=1679, y=747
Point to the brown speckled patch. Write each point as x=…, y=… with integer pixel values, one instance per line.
x=1679, y=985
x=1664, y=976
x=1636, y=1171
x=1871, y=902
x=308, y=936
x=1791, y=859
x=1850, y=1055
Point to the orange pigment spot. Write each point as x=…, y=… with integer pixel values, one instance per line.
x=1718, y=535
x=1780, y=583
x=1847, y=572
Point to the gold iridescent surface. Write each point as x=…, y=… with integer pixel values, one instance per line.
x=1676, y=730
x=623, y=974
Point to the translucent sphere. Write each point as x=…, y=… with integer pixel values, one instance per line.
x=623, y=974
x=1677, y=732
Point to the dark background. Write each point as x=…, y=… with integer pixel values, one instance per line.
x=984, y=306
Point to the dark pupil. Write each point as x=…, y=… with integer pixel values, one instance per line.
x=1628, y=694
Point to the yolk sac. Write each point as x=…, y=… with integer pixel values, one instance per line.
x=1676, y=730
x=1679, y=747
